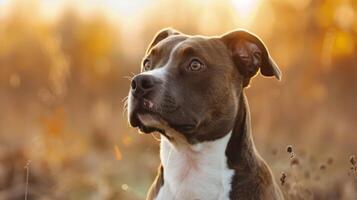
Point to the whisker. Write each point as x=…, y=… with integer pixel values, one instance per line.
x=124, y=112
x=125, y=99
x=155, y=137
x=125, y=106
x=130, y=77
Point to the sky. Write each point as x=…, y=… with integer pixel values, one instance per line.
x=126, y=12
x=113, y=7
x=120, y=7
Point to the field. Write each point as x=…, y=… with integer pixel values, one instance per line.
x=64, y=77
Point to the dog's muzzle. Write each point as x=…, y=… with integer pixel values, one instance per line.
x=148, y=97
x=140, y=98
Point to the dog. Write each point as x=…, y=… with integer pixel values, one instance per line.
x=191, y=90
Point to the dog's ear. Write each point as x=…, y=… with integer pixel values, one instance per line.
x=162, y=34
x=249, y=54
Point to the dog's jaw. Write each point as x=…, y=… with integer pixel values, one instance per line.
x=150, y=120
x=176, y=139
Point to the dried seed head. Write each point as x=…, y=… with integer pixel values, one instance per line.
x=289, y=148
x=322, y=166
x=330, y=161
x=353, y=160
x=282, y=178
x=294, y=161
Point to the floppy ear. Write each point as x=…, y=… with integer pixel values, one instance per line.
x=162, y=34
x=249, y=54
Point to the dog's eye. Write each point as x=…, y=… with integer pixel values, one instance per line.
x=147, y=64
x=196, y=65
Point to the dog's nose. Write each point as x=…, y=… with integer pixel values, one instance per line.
x=142, y=84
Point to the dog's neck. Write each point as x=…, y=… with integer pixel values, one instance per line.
x=241, y=149
x=237, y=145
x=209, y=163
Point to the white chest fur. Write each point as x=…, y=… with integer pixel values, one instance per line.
x=195, y=172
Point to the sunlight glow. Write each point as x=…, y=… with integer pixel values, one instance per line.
x=246, y=9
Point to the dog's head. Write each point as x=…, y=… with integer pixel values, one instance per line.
x=189, y=86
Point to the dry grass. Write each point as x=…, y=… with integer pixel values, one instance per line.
x=62, y=94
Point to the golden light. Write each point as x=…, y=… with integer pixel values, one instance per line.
x=118, y=154
x=246, y=9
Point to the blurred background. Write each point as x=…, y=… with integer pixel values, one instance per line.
x=64, y=68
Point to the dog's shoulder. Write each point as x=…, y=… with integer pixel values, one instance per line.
x=254, y=183
x=156, y=185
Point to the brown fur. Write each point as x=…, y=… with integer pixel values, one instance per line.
x=212, y=101
x=253, y=178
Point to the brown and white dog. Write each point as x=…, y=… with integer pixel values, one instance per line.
x=191, y=90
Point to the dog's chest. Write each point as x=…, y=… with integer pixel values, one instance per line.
x=197, y=173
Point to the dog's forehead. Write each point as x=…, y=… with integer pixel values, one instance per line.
x=167, y=44
x=181, y=42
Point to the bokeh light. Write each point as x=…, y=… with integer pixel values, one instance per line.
x=65, y=68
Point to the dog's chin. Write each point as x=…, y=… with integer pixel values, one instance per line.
x=154, y=123
x=149, y=123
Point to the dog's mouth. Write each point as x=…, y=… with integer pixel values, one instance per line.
x=150, y=122
x=149, y=119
